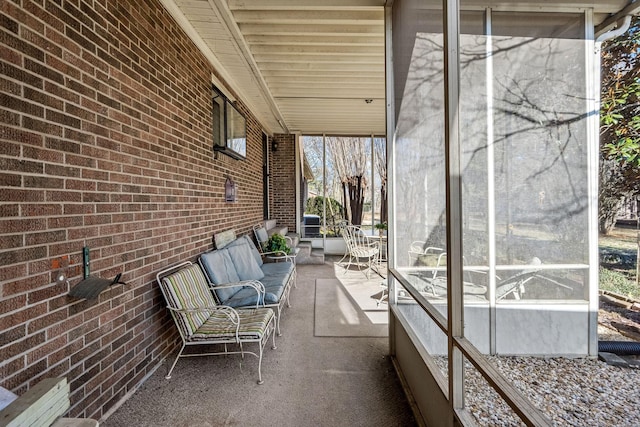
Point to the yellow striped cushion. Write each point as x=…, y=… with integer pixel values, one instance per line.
x=189, y=289
x=253, y=324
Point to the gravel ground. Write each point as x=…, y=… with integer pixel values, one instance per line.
x=570, y=392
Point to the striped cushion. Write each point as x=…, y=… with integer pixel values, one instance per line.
x=189, y=289
x=253, y=324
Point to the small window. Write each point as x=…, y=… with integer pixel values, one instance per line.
x=229, y=127
x=218, y=119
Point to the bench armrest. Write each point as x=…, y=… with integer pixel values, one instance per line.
x=255, y=284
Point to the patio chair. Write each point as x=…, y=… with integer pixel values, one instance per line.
x=201, y=321
x=434, y=282
x=262, y=237
x=360, y=248
x=515, y=285
x=421, y=254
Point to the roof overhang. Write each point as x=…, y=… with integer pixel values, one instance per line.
x=319, y=66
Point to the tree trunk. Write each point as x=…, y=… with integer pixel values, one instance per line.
x=345, y=200
x=607, y=213
x=384, y=216
x=355, y=189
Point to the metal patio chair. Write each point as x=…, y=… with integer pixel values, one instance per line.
x=360, y=249
x=201, y=321
x=262, y=237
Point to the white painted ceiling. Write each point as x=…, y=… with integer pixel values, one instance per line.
x=311, y=65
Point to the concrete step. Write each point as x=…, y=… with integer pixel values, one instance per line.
x=295, y=238
x=309, y=255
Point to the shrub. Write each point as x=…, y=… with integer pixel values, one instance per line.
x=335, y=212
x=278, y=243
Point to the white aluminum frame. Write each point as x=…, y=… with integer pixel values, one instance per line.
x=458, y=345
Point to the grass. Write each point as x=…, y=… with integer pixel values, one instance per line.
x=622, y=283
x=618, y=262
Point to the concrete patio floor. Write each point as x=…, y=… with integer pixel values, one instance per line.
x=308, y=380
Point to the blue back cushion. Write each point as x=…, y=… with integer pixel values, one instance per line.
x=247, y=240
x=221, y=270
x=245, y=263
x=262, y=236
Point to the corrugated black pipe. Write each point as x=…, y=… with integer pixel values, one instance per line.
x=621, y=348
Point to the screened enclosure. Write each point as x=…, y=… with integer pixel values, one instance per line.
x=527, y=162
x=345, y=184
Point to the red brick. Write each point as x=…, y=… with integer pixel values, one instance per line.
x=21, y=255
x=10, y=335
x=63, y=196
x=43, y=182
x=8, y=369
x=22, y=378
x=65, y=221
x=44, y=350
x=10, y=180
x=21, y=285
x=47, y=321
x=86, y=351
x=12, y=304
x=38, y=153
x=49, y=292
x=16, y=195
x=22, y=346
x=129, y=142
x=41, y=209
x=65, y=352
x=67, y=326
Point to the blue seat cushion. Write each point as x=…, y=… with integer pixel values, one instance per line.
x=248, y=296
x=276, y=276
x=276, y=291
x=277, y=269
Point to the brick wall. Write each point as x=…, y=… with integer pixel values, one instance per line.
x=105, y=141
x=282, y=189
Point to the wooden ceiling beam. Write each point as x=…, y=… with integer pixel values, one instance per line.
x=315, y=40
x=285, y=17
x=320, y=66
x=318, y=50
x=305, y=4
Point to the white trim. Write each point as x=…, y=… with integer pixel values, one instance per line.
x=511, y=7
x=324, y=189
x=633, y=8
x=453, y=166
x=491, y=190
x=297, y=144
x=592, y=81
x=390, y=145
x=373, y=182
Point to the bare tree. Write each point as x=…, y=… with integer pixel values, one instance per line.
x=380, y=151
x=349, y=159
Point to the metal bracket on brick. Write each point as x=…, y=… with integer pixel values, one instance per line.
x=90, y=287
